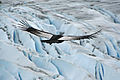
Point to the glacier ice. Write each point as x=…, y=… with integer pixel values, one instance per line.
x=24, y=57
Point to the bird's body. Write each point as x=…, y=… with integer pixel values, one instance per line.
x=55, y=38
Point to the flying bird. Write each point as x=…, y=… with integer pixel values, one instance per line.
x=53, y=38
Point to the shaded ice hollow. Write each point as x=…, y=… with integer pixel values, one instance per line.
x=24, y=57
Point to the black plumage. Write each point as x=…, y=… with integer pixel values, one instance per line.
x=53, y=38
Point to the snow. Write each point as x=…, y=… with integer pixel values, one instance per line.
x=24, y=57
x=71, y=72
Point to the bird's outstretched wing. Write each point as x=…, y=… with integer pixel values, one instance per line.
x=90, y=36
x=52, y=37
x=27, y=27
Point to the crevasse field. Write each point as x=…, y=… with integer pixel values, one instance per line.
x=24, y=57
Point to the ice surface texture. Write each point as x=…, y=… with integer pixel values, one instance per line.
x=24, y=57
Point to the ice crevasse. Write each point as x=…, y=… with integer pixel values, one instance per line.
x=24, y=57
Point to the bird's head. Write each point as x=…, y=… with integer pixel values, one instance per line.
x=61, y=33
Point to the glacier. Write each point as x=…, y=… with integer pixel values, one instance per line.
x=24, y=57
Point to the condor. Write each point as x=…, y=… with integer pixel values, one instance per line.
x=53, y=38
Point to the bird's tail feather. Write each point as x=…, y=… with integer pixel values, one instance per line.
x=47, y=41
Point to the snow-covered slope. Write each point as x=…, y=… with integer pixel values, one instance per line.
x=24, y=57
